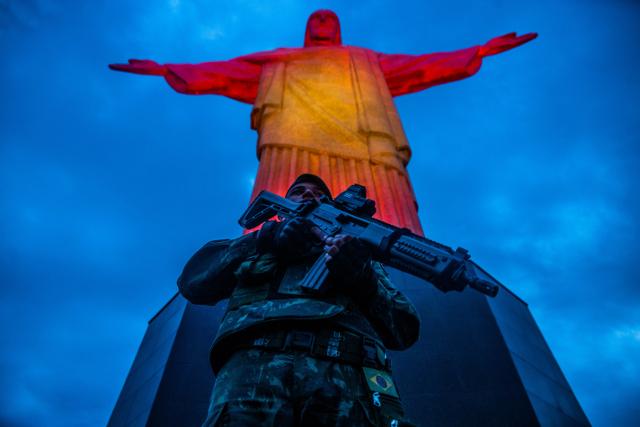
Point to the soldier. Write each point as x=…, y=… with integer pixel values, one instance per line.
x=284, y=357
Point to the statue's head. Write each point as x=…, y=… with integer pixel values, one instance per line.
x=323, y=29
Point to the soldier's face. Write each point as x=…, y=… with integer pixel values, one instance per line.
x=305, y=191
x=323, y=26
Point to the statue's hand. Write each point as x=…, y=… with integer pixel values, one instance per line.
x=503, y=43
x=141, y=66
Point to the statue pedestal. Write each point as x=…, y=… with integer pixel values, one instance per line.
x=479, y=361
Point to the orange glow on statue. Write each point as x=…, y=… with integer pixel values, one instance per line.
x=327, y=109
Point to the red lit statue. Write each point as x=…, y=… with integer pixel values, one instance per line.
x=327, y=109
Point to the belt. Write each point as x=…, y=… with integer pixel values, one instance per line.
x=338, y=345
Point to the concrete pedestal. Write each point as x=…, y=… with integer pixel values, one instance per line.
x=479, y=362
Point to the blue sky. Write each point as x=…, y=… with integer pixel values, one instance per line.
x=108, y=181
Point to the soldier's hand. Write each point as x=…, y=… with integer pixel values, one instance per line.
x=332, y=245
x=288, y=238
x=349, y=261
x=294, y=235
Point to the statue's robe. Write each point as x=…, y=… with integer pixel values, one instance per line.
x=329, y=111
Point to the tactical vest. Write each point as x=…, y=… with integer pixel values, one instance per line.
x=267, y=292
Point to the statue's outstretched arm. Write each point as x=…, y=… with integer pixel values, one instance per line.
x=412, y=73
x=237, y=78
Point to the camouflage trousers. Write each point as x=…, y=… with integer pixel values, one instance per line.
x=261, y=388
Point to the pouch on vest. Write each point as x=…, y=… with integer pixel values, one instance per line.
x=257, y=269
x=253, y=276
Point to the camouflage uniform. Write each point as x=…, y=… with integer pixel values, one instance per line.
x=256, y=385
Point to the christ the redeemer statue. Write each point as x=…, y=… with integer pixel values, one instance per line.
x=327, y=108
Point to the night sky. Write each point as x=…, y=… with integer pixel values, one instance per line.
x=110, y=181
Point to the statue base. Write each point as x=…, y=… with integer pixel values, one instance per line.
x=479, y=361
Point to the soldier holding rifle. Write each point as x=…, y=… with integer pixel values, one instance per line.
x=287, y=356
x=312, y=311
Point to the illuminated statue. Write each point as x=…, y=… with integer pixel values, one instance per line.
x=327, y=109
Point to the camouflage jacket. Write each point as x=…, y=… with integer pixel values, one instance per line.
x=263, y=289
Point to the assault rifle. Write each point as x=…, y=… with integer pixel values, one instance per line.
x=351, y=213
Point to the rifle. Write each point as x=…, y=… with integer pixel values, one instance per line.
x=351, y=213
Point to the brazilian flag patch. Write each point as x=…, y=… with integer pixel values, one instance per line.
x=380, y=381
